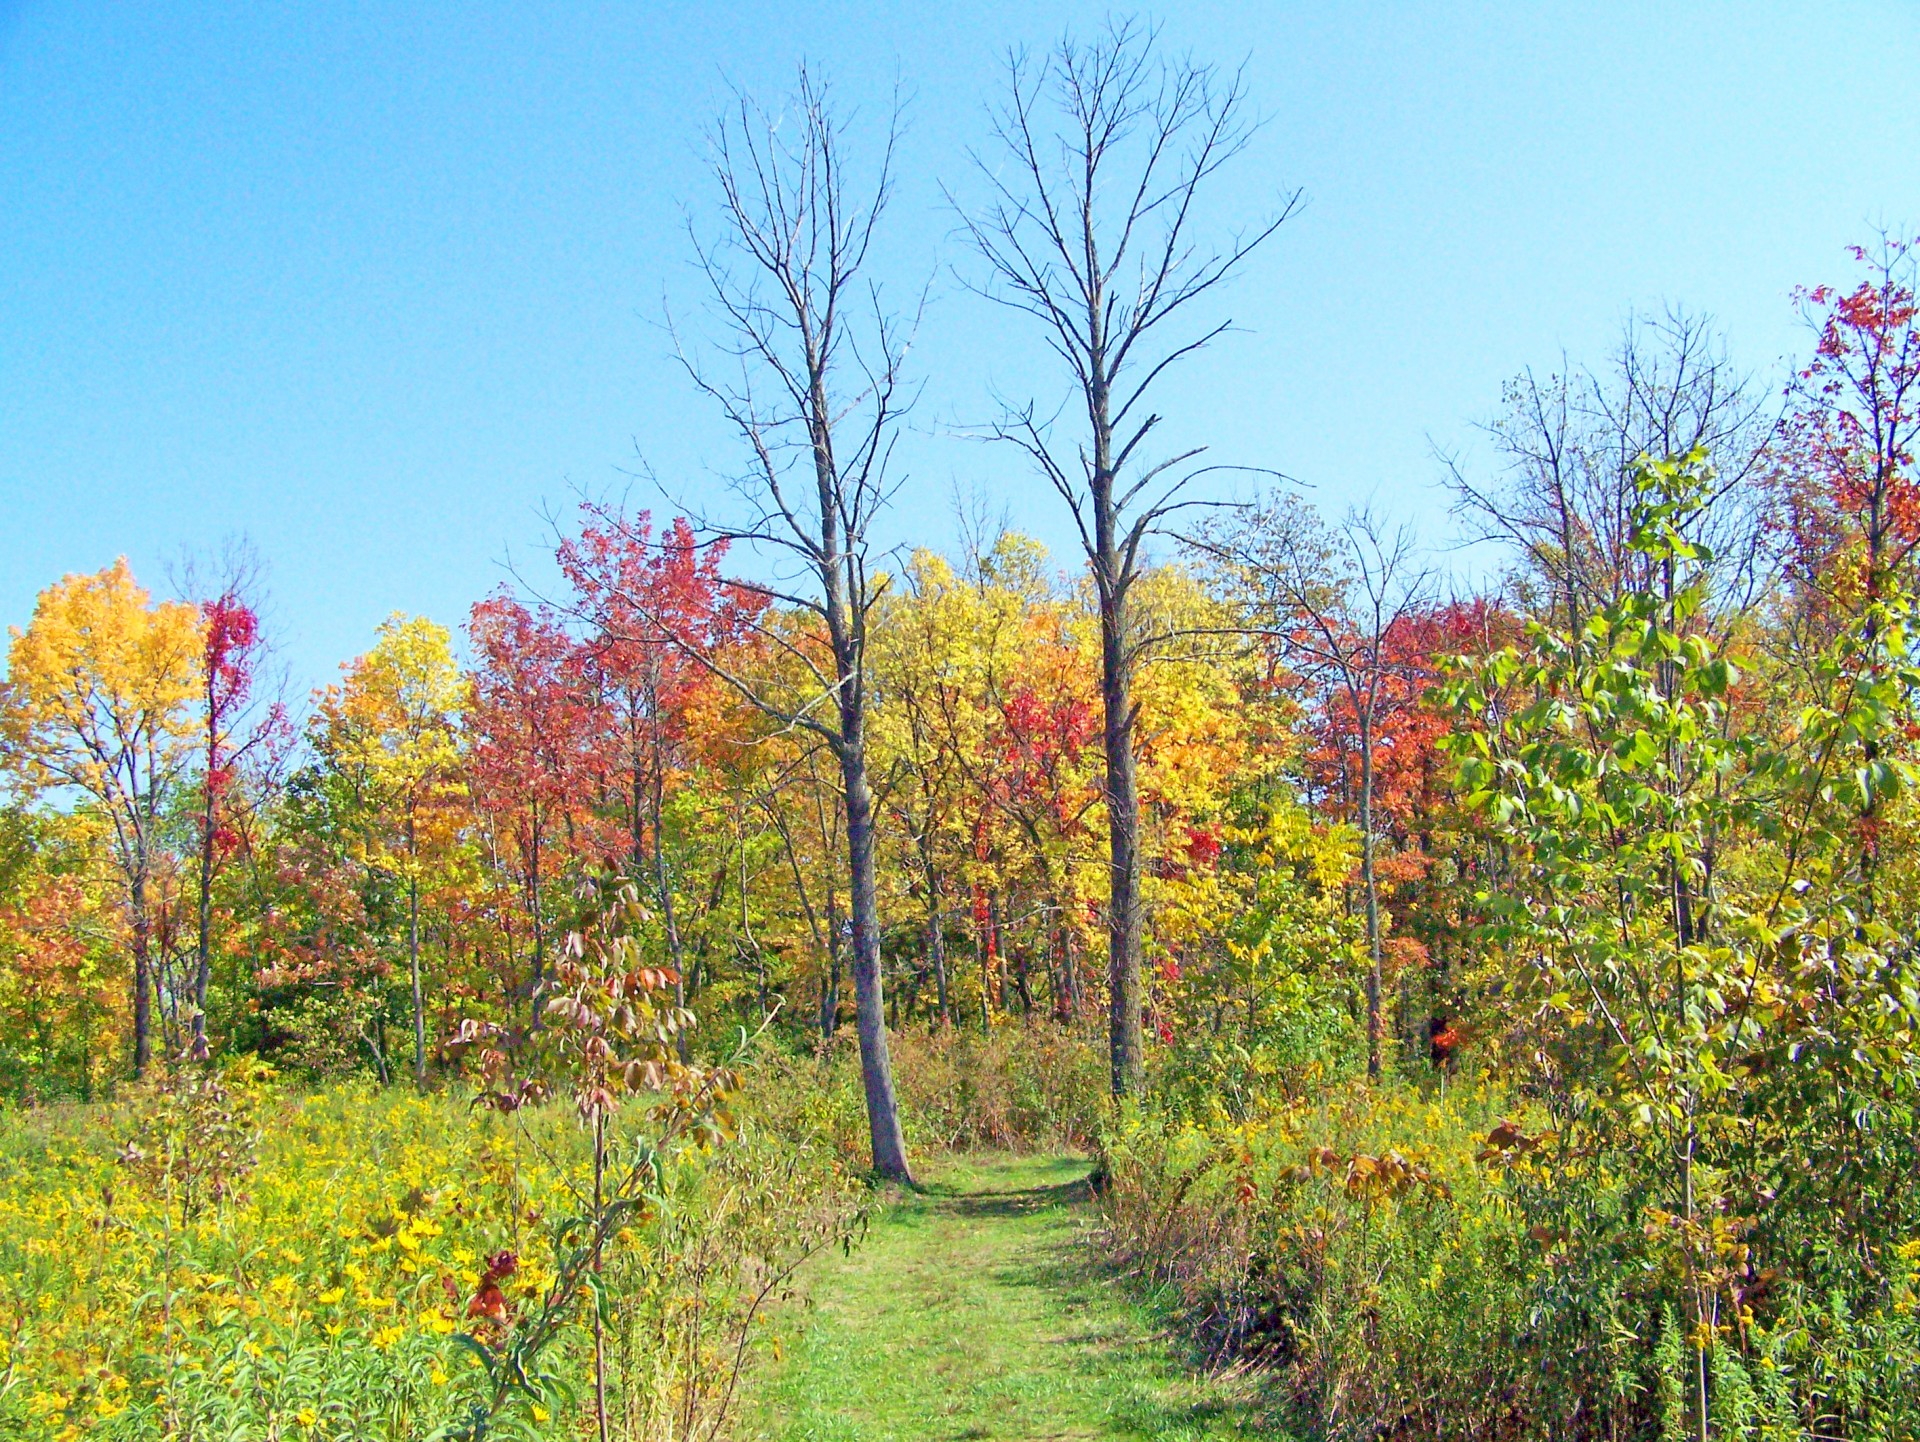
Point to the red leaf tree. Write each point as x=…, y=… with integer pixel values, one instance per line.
x=656, y=609
x=532, y=727
x=234, y=728
x=1854, y=508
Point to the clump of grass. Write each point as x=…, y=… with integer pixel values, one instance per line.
x=1024, y=1086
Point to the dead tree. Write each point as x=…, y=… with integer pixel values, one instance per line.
x=1564, y=499
x=807, y=369
x=1104, y=150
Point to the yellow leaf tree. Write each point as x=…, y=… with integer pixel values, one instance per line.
x=98, y=708
x=392, y=727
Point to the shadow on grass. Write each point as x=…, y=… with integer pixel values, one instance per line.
x=1024, y=1202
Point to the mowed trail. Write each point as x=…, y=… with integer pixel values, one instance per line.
x=969, y=1312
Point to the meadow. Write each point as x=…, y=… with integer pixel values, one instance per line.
x=325, y=1268
x=1361, y=1261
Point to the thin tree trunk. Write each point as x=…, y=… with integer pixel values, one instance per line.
x=666, y=900
x=413, y=967
x=599, y=1323
x=937, y=939
x=1371, y=884
x=983, y=949
x=936, y=932
x=830, y=983
x=203, y=941
x=539, y=973
x=142, y=977
x=1069, y=979
x=876, y=1067
x=1001, y=980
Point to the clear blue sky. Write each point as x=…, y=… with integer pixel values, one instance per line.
x=370, y=283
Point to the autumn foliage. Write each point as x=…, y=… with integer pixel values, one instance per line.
x=1539, y=951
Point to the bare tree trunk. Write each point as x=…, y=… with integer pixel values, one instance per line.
x=1113, y=575
x=1125, y=1038
x=821, y=449
x=876, y=1067
x=1106, y=145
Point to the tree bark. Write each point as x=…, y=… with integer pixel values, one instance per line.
x=666, y=899
x=539, y=973
x=937, y=944
x=830, y=982
x=142, y=978
x=1370, y=882
x=1126, y=1041
x=203, y=941
x=876, y=1067
x=413, y=968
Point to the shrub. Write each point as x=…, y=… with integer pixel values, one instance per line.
x=1402, y=1273
x=1022, y=1086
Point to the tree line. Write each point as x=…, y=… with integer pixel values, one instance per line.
x=1628, y=822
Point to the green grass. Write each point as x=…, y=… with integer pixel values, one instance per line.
x=970, y=1312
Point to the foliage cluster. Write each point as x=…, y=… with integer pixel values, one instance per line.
x=1412, y=1264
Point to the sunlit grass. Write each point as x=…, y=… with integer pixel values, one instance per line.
x=971, y=1312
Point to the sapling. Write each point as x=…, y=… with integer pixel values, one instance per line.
x=609, y=1031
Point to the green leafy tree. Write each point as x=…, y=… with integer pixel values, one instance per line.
x=1683, y=891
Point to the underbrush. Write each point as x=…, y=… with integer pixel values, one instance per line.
x=325, y=1265
x=1399, y=1275
x=1021, y=1087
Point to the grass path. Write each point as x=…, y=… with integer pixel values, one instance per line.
x=969, y=1313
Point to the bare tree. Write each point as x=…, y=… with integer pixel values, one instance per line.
x=1565, y=497
x=809, y=374
x=1336, y=599
x=1104, y=151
